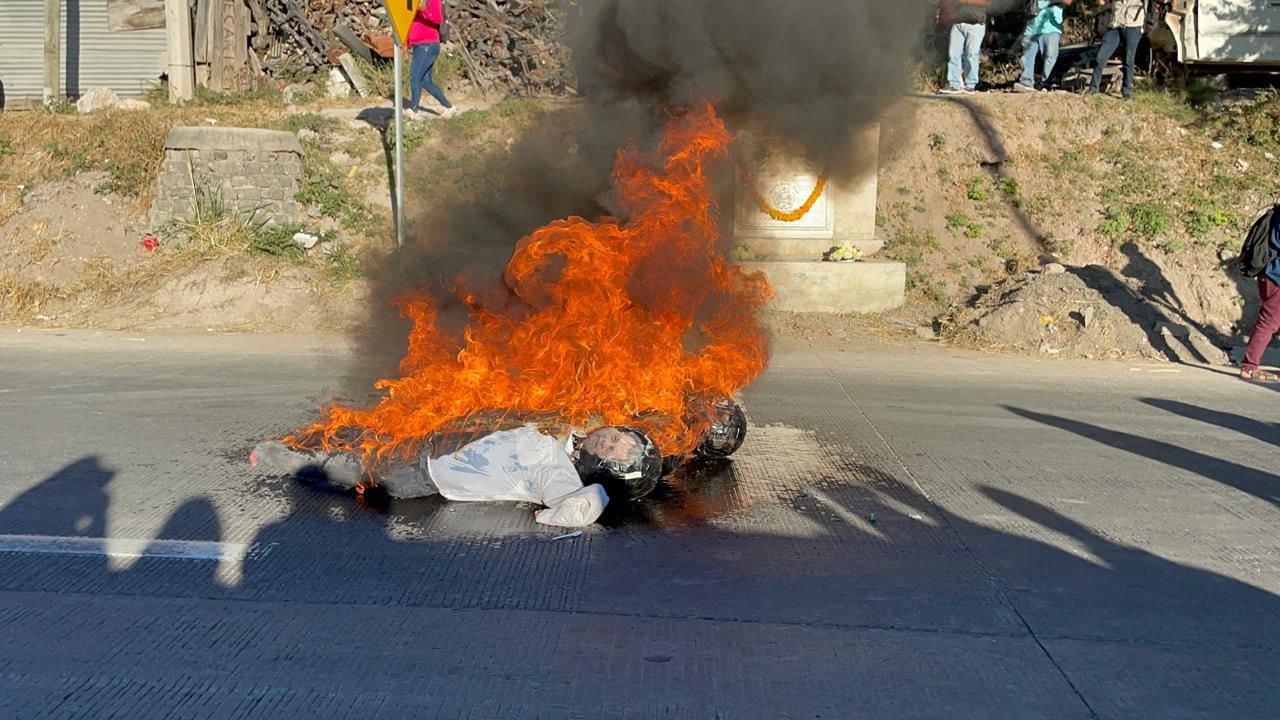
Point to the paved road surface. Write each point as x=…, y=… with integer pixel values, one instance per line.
x=909, y=533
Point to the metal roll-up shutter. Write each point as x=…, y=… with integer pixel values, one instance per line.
x=22, y=49
x=128, y=62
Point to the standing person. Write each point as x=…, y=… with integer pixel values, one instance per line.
x=1268, y=315
x=424, y=44
x=1041, y=37
x=968, y=20
x=1127, y=20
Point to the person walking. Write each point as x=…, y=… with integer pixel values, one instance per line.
x=424, y=45
x=1264, y=330
x=968, y=20
x=1127, y=20
x=1041, y=38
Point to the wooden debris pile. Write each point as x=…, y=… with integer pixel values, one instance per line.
x=511, y=46
x=360, y=16
x=506, y=46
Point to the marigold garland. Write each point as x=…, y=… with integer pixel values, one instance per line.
x=774, y=212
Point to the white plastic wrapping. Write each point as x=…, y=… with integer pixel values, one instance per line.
x=521, y=465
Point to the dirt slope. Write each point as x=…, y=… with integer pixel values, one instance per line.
x=1140, y=203
x=978, y=190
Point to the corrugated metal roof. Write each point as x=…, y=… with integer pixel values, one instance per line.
x=92, y=56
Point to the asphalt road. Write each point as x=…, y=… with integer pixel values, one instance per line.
x=909, y=532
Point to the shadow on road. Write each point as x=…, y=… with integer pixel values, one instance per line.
x=1257, y=429
x=1262, y=485
x=867, y=551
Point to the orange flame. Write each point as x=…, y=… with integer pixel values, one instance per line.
x=639, y=322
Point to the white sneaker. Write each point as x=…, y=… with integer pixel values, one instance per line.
x=951, y=91
x=1019, y=87
x=448, y=112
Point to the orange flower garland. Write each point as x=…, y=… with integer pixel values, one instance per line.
x=774, y=212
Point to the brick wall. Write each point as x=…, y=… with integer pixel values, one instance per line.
x=254, y=173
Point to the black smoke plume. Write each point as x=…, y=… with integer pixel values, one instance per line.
x=808, y=70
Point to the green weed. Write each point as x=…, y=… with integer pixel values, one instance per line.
x=1200, y=223
x=206, y=96
x=976, y=189
x=1061, y=247
x=1114, y=223
x=1150, y=220
x=276, y=241
x=1071, y=162
x=910, y=247
x=959, y=221
x=315, y=122
x=342, y=266
x=76, y=160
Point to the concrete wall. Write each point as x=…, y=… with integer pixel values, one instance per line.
x=255, y=173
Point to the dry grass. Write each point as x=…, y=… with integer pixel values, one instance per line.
x=40, y=146
x=22, y=300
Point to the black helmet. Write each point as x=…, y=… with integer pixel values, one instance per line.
x=622, y=459
x=726, y=433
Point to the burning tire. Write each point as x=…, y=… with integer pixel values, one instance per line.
x=727, y=433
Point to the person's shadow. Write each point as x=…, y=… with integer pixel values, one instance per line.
x=71, y=502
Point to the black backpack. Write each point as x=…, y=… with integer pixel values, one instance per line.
x=1256, y=253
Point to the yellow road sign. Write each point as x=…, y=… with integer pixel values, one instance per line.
x=401, y=13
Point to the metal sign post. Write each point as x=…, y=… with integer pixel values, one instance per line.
x=399, y=110
x=401, y=14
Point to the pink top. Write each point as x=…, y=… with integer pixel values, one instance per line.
x=425, y=27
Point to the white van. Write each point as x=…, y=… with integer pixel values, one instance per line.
x=1218, y=32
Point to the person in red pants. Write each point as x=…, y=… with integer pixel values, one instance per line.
x=1268, y=317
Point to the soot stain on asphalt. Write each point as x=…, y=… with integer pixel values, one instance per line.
x=692, y=496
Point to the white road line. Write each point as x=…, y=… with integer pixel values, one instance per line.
x=124, y=547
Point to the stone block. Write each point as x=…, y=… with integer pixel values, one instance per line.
x=831, y=287
x=229, y=139
x=804, y=249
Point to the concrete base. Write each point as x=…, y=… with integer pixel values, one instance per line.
x=781, y=248
x=862, y=287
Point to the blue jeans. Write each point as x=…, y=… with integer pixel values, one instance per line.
x=1110, y=42
x=965, y=49
x=424, y=59
x=1045, y=44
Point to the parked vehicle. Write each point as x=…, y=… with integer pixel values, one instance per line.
x=1217, y=32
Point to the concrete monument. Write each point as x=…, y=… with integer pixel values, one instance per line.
x=788, y=216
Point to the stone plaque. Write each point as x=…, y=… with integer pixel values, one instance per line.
x=780, y=175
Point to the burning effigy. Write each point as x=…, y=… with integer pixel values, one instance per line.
x=618, y=343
